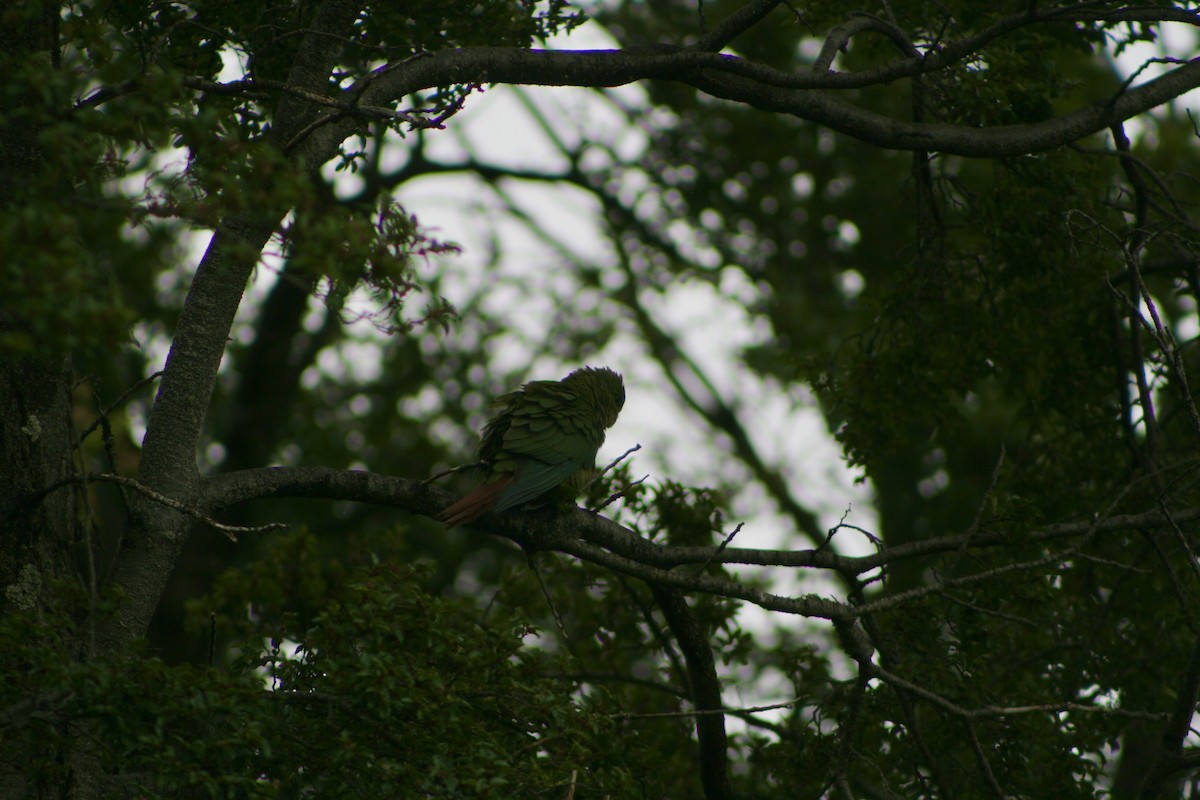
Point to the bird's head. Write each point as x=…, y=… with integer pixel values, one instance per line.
x=603, y=387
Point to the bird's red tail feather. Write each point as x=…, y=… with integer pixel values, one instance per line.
x=477, y=502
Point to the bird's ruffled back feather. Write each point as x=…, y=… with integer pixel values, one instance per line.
x=542, y=434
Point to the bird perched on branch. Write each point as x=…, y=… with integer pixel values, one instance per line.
x=543, y=434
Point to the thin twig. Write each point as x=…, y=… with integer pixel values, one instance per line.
x=875, y=540
x=120, y=401
x=1008, y=711
x=616, y=461
x=617, y=495
x=705, y=712
x=452, y=471
x=613, y=498
x=558, y=620
x=724, y=544
x=984, y=764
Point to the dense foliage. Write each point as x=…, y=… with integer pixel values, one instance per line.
x=961, y=233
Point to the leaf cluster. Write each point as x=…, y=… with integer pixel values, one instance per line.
x=387, y=691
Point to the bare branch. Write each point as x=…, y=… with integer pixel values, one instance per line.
x=700, y=712
x=221, y=491
x=120, y=401
x=1008, y=711
x=734, y=25
x=705, y=690
x=129, y=483
x=840, y=36
x=775, y=90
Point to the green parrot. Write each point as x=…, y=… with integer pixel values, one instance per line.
x=544, y=434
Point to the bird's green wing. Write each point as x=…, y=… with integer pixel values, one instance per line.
x=546, y=435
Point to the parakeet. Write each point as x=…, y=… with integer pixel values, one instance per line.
x=544, y=433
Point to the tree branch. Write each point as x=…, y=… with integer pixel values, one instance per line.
x=734, y=25
x=764, y=87
x=996, y=142
x=222, y=491
x=168, y=462
x=705, y=689
x=311, y=68
x=581, y=534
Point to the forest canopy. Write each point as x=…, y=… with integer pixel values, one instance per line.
x=903, y=498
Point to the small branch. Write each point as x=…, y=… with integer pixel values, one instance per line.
x=839, y=38
x=984, y=765
x=226, y=489
x=120, y=401
x=984, y=712
x=734, y=25
x=558, y=620
x=262, y=88
x=1186, y=693
x=701, y=712
x=875, y=540
x=940, y=587
x=990, y=612
x=674, y=665
x=724, y=544
x=231, y=531
x=847, y=729
x=617, y=495
x=618, y=460
x=452, y=471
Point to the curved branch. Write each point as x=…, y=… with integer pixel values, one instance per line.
x=734, y=25
x=797, y=93
x=839, y=38
x=754, y=84
x=995, y=142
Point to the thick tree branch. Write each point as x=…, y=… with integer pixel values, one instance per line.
x=997, y=142
x=600, y=541
x=705, y=689
x=311, y=68
x=801, y=94
x=754, y=84
x=168, y=462
x=582, y=534
x=222, y=491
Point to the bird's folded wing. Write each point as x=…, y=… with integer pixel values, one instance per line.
x=533, y=479
x=548, y=442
